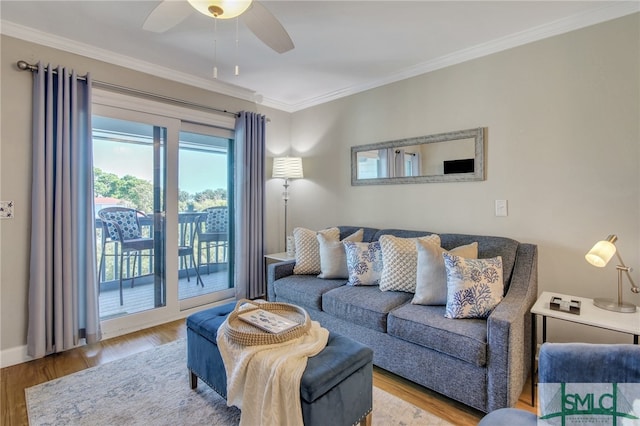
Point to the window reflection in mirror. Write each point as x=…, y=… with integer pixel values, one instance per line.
x=446, y=157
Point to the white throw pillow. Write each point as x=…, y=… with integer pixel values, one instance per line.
x=400, y=262
x=364, y=262
x=333, y=260
x=308, y=249
x=474, y=286
x=431, y=284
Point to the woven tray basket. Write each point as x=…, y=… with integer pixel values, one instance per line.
x=243, y=333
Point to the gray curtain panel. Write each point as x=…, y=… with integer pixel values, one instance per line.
x=249, y=187
x=63, y=296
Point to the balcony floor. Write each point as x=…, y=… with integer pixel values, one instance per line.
x=141, y=296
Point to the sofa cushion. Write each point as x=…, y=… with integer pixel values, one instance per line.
x=304, y=290
x=474, y=286
x=368, y=233
x=363, y=305
x=431, y=277
x=364, y=262
x=401, y=233
x=400, y=262
x=426, y=326
x=308, y=249
x=333, y=260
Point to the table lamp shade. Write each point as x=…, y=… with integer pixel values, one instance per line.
x=602, y=252
x=287, y=168
x=599, y=256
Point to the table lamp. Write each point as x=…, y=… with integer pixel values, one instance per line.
x=287, y=168
x=599, y=256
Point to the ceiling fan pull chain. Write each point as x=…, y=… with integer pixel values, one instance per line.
x=215, y=48
x=237, y=68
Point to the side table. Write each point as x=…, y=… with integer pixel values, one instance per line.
x=272, y=258
x=278, y=257
x=589, y=315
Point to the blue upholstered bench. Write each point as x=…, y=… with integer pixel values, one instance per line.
x=336, y=387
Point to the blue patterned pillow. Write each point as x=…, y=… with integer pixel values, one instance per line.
x=474, y=286
x=364, y=262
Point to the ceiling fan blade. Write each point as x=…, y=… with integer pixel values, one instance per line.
x=267, y=28
x=167, y=15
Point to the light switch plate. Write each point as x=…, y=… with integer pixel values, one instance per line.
x=6, y=209
x=501, y=208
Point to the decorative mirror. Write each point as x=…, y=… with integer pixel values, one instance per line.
x=445, y=157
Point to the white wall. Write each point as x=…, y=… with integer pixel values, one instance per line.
x=562, y=147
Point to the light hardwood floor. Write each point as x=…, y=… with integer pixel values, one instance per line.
x=15, y=379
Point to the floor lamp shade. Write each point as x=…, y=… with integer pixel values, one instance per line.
x=287, y=168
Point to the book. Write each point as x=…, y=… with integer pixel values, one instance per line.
x=268, y=321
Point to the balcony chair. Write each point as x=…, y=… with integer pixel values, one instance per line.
x=186, y=249
x=577, y=363
x=215, y=234
x=121, y=227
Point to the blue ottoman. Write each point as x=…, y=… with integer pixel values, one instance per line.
x=336, y=387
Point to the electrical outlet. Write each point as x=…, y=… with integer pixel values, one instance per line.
x=6, y=209
x=501, y=208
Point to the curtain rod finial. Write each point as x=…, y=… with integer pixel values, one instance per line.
x=23, y=65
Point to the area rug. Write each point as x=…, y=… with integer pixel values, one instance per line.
x=153, y=388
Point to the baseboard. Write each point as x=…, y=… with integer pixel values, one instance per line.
x=13, y=356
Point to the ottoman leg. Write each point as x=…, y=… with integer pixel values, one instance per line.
x=193, y=380
x=367, y=421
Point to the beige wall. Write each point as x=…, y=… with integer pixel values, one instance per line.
x=15, y=159
x=562, y=147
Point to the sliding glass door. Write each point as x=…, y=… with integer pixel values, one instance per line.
x=130, y=194
x=163, y=203
x=205, y=219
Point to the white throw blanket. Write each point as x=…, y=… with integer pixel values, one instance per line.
x=264, y=380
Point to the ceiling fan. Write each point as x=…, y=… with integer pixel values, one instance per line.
x=254, y=14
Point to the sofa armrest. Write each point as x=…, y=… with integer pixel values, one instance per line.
x=509, y=332
x=275, y=271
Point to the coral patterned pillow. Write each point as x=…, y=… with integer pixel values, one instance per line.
x=474, y=286
x=364, y=262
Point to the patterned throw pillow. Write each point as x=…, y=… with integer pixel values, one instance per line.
x=431, y=285
x=364, y=262
x=400, y=262
x=474, y=286
x=308, y=249
x=333, y=261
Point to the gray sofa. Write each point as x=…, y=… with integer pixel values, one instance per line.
x=482, y=363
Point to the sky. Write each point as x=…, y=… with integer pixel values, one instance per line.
x=197, y=170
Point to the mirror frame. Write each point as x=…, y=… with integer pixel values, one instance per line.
x=478, y=134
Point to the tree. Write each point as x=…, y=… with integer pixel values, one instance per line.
x=138, y=193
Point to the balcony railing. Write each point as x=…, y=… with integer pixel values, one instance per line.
x=144, y=260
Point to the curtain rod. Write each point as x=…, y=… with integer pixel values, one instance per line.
x=25, y=66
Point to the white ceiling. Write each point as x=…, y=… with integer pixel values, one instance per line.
x=342, y=47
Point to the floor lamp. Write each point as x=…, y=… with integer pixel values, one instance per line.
x=287, y=168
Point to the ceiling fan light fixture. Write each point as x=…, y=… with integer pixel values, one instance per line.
x=221, y=9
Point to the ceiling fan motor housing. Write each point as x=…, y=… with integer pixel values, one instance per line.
x=221, y=9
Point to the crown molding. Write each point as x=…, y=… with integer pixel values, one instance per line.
x=616, y=9
x=72, y=46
